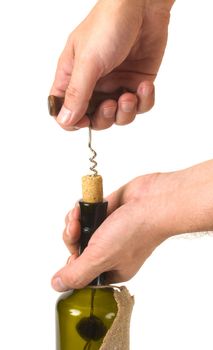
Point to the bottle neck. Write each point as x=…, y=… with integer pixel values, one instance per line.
x=91, y=217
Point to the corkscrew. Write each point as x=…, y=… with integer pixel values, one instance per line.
x=56, y=102
x=92, y=159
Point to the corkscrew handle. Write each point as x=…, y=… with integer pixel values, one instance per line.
x=91, y=217
x=55, y=103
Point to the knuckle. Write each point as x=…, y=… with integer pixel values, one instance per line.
x=125, y=121
x=143, y=108
x=68, y=128
x=97, y=258
x=68, y=217
x=147, y=104
x=66, y=220
x=149, y=107
x=65, y=236
x=75, y=281
x=102, y=125
x=120, y=121
x=72, y=92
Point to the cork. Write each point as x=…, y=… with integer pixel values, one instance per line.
x=92, y=189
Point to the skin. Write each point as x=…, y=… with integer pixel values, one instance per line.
x=119, y=43
x=142, y=214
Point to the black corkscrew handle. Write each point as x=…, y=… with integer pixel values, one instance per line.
x=55, y=102
x=91, y=217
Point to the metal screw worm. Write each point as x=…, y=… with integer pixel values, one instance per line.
x=92, y=159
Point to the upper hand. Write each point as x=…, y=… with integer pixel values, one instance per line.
x=119, y=44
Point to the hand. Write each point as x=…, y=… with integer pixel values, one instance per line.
x=141, y=215
x=119, y=44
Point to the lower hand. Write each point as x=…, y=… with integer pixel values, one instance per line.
x=141, y=215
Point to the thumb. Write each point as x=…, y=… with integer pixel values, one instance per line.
x=78, y=274
x=85, y=74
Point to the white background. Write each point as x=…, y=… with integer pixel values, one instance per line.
x=41, y=166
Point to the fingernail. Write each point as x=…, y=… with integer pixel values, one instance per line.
x=147, y=90
x=109, y=112
x=75, y=213
x=70, y=215
x=65, y=116
x=128, y=107
x=69, y=259
x=68, y=230
x=58, y=285
x=77, y=204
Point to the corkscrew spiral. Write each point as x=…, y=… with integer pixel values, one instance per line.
x=92, y=159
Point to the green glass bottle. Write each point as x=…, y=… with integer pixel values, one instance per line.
x=84, y=316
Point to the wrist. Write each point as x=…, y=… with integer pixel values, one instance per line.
x=159, y=8
x=183, y=202
x=167, y=4
x=135, y=5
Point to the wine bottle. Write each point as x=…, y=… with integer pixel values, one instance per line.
x=84, y=316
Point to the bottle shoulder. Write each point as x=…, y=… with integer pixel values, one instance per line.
x=86, y=292
x=85, y=315
x=80, y=298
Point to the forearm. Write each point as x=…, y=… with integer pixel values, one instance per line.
x=187, y=203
